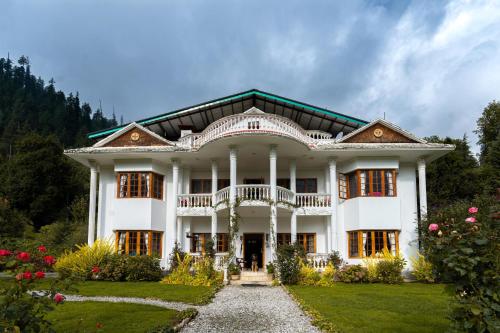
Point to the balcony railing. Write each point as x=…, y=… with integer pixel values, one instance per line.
x=254, y=124
x=257, y=192
x=317, y=260
x=312, y=200
x=194, y=200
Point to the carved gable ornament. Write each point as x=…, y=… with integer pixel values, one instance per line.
x=380, y=131
x=133, y=135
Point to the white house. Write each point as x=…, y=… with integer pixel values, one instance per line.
x=290, y=170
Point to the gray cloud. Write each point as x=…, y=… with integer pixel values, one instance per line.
x=430, y=66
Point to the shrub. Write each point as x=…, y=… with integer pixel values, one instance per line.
x=389, y=269
x=288, y=263
x=143, y=268
x=176, y=257
x=461, y=242
x=270, y=268
x=335, y=259
x=422, y=269
x=371, y=269
x=233, y=269
x=201, y=273
x=115, y=269
x=353, y=274
x=308, y=276
x=20, y=310
x=80, y=263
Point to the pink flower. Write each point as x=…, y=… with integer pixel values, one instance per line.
x=5, y=253
x=23, y=256
x=433, y=227
x=96, y=269
x=19, y=276
x=42, y=248
x=27, y=275
x=39, y=275
x=49, y=260
x=470, y=220
x=473, y=210
x=58, y=298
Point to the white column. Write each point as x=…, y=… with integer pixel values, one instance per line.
x=293, y=188
x=273, y=228
x=100, y=207
x=215, y=177
x=233, y=156
x=175, y=188
x=329, y=241
x=92, y=202
x=422, y=188
x=180, y=190
x=332, y=165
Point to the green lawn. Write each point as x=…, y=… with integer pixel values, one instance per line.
x=115, y=317
x=409, y=307
x=154, y=290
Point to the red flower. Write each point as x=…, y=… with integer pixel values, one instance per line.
x=27, y=276
x=4, y=253
x=99, y=325
x=42, y=248
x=96, y=269
x=39, y=275
x=58, y=298
x=49, y=260
x=23, y=256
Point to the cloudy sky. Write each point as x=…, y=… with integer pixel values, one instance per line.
x=431, y=66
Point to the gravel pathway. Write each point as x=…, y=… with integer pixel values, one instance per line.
x=164, y=304
x=250, y=309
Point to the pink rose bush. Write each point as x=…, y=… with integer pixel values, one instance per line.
x=470, y=220
x=473, y=210
x=433, y=227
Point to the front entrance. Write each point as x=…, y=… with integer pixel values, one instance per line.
x=253, y=244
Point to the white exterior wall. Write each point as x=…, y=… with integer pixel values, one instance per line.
x=368, y=213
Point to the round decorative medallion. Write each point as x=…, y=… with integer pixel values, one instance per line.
x=378, y=132
x=134, y=136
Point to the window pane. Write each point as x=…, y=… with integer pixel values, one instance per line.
x=391, y=242
x=157, y=186
x=367, y=243
x=156, y=244
x=300, y=186
x=353, y=186
x=379, y=242
x=389, y=183
x=376, y=183
x=222, y=183
x=283, y=182
x=145, y=179
x=353, y=244
x=342, y=186
x=132, y=243
x=363, y=179
x=122, y=237
x=144, y=243
x=134, y=185
x=222, y=243
x=310, y=244
x=123, y=185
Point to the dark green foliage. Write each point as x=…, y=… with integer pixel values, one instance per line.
x=389, y=270
x=452, y=176
x=352, y=274
x=12, y=223
x=288, y=263
x=176, y=257
x=233, y=269
x=210, y=248
x=335, y=259
x=125, y=268
x=468, y=255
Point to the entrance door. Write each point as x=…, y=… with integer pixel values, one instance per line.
x=253, y=244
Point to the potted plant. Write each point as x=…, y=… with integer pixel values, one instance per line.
x=270, y=270
x=234, y=271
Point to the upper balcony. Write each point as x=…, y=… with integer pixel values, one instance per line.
x=254, y=195
x=254, y=122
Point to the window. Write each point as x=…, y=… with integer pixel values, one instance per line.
x=198, y=241
x=205, y=185
x=283, y=182
x=138, y=185
x=374, y=183
x=372, y=243
x=135, y=243
x=307, y=185
x=308, y=242
x=222, y=243
x=284, y=239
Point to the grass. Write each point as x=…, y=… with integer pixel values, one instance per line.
x=115, y=317
x=152, y=290
x=409, y=307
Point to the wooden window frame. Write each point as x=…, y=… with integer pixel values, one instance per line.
x=304, y=241
x=151, y=194
x=305, y=180
x=373, y=252
x=368, y=180
x=138, y=241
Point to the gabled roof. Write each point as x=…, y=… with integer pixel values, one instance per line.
x=199, y=116
x=128, y=128
x=386, y=124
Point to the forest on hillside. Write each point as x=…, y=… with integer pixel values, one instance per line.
x=44, y=195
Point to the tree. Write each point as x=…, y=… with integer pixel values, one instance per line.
x=39, y=180
x=452, y=177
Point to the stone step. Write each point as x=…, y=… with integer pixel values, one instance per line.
x=255, y=278
x=251, y=283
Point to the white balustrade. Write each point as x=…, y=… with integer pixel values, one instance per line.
x=284, y=195
x=312, y=200
x=253, y=192
x=194, y=200
x=243, y=123
x=219, y=261
x=222, y=195
x=318, y=261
